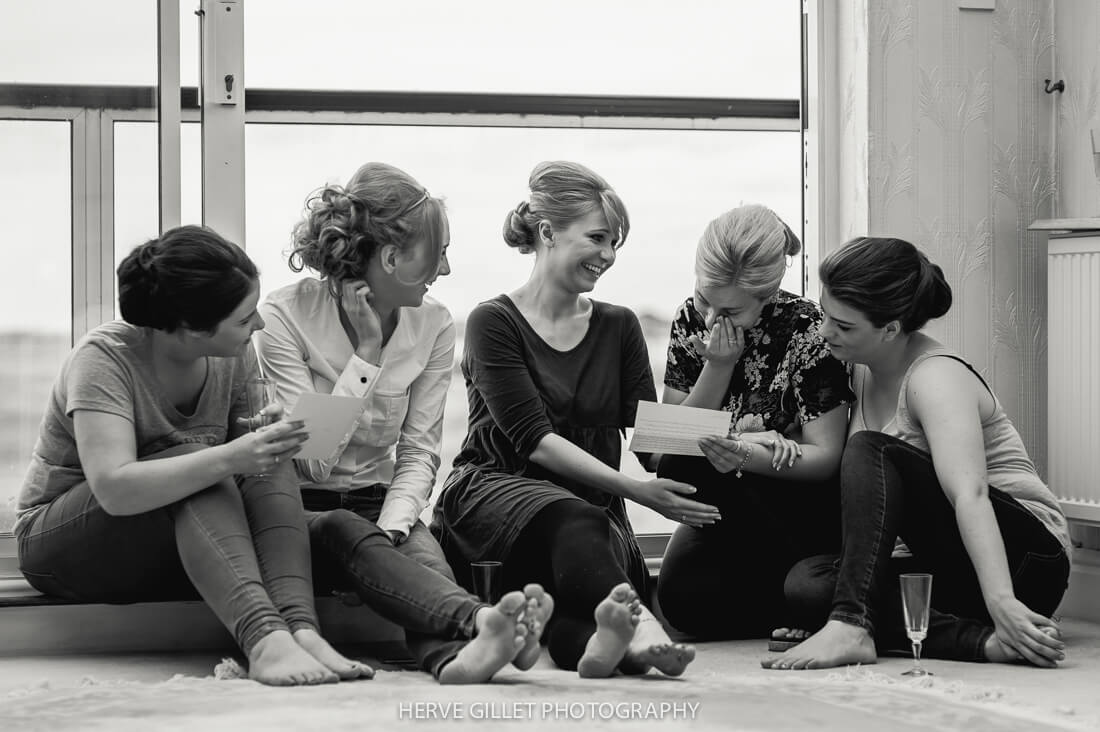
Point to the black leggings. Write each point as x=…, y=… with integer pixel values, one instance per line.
x=567, y=547
x=890, y=489
x=726, y=581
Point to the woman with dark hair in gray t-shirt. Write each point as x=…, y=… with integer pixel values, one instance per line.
x=145, y=483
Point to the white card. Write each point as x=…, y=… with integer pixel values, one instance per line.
x=329, y=420
x=673, y=429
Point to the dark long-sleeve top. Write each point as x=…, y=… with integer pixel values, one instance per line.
x=520, y=389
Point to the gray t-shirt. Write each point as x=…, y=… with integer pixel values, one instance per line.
x=110, y=370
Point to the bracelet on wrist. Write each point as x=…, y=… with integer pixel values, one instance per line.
x=744, y=460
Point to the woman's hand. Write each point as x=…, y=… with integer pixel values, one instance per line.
x=1034, y=637
x=725, y=344
x=724, y=453
x=784, y=450
x=355, y=296
x=666, y=497
x=264, y=449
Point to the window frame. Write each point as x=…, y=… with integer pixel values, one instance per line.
x=92, y=111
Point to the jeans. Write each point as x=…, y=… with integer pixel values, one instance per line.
x=889, y=489
x=244, y=548
x=725, y=581
x=410, y=584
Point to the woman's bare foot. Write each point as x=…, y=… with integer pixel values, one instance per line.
x=539, y=608
x=837, y=644
x=652, y=648
x=276, y=660
x=783, y=639
x=312, y=642
x=499, y=636
x=616, y=619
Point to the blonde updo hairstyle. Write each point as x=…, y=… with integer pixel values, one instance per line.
x=747, y=247
x=561, y=193
x=343, y=226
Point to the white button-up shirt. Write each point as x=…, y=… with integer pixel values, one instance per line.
x=304, y=347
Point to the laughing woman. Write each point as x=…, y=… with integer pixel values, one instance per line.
x=743, y=345
x=552, y=378
x=145, y=483
x=367, y=329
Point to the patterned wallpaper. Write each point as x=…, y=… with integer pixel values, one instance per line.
x=959, y=160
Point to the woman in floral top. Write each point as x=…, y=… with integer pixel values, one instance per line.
x=742, y=345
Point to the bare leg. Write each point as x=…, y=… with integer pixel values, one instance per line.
x=616, y=620
x=312, y=642
x=276, y=660
x=651, y=647
x=540, y=606
x=499, y=637
x=837, y=644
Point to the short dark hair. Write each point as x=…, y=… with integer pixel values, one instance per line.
x=190, y=276
x=887, y=279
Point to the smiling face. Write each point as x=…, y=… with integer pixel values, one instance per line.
x=235, y=330
x=582, y=251
x=849, y=334
x=730, y=301
x=396, y=277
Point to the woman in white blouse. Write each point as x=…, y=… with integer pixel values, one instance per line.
x=366, y=329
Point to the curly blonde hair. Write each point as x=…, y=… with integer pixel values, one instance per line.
x=342, y=226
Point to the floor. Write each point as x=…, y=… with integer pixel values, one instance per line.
x=723, y=689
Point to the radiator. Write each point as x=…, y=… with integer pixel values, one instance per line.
x=1073, y=373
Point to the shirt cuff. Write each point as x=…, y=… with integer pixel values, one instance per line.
x=397, y=515
x=357, y=378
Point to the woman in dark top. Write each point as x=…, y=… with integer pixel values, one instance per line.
x=742, y=345
x=553, y=378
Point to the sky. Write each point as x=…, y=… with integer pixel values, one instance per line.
x=673, y=182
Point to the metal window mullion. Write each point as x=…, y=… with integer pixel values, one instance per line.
x=106, y=263
x=432, y=119
x=80, y=215
x=819, y=139
x=223, y=199
x=168, y=112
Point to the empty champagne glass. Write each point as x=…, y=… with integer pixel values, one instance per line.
x=487, y=578
x=916, y=599
x=260, y=393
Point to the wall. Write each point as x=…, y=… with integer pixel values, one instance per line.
x=1077, y=61
x=959, y=161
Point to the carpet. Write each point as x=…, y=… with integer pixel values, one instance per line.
x=853, y=700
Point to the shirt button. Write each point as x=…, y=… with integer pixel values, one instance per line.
x=362, y=379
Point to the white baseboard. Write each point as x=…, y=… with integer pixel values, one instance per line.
x=159, y=627
x=1082, y=599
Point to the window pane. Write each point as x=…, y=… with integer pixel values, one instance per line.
x=35, y=305
x=113, y=43
x=136, y=202
x=673, y=183
x=709, y=48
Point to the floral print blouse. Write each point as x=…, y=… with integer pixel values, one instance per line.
x=786, y=376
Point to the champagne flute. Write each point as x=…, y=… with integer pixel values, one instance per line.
x=916, y=598
x=260, y=394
